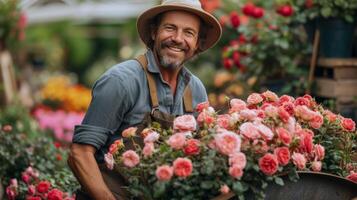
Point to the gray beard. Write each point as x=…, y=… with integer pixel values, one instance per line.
x=168, y=63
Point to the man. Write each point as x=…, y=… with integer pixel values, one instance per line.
x=155, y=87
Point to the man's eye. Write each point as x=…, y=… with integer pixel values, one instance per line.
x=169, y=28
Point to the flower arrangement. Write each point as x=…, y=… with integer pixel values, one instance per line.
x=242, y=151
x=31, y=187
x=60, y=92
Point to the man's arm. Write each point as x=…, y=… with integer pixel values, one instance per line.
x=84, y=166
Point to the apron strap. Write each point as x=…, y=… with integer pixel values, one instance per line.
x=151, y=82
x=187, y=96
x=187, y=99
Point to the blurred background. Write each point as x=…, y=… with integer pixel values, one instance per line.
x=52, y=51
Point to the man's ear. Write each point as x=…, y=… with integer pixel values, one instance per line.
x=153, y=34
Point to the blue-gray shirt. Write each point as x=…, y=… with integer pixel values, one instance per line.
x=120, y=98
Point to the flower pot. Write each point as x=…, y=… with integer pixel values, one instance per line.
x=336, y=38
x=311, y=185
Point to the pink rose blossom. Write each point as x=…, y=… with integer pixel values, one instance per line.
x=265, y=131
x=11, y=193
x=301, y=101
x=148, y=149
x=236, y=172
x=316, y=166
x=331, y=117
x=248, y=114
x=237, y=105
x=238, y=159
x=270, y=96
x=306, y=143
x=13, y=182
x=202, y=106
x=192, y=147
x=291, y=125
x=109, y=161
x=43, y=186
x=268, y=164
x=304, y=113
x=185, y=123
x=55, y=194
x=224, y=189
x=177, y=141
x=205, y=118
x=25, y=178
x=316, y=121
x=283, y=114
x=254, y=99
x=182, y=167
x=271, y=111
x=352, y=176
x=348, y=124
x=249, y=130
x=319, y=151
x=131, y=158
x=129, y=132
x=289, y=107
x=299, y=160
x=31, y=190
x=153, y=136
x=223, y=121
x=283, y=155
x=284, y=136
x=164, y=173
x=228, y=142
x=286, y=98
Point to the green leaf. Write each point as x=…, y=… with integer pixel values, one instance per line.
x=326, y=11
x=206, y=184
x=279, y=181
x=159, y=189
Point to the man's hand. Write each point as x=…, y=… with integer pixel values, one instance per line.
x=84, y=166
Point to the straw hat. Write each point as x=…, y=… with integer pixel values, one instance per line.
x=214, y=30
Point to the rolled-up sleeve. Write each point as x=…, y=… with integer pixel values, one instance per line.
x=107, y=108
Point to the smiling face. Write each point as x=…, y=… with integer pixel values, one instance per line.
x=176, y=38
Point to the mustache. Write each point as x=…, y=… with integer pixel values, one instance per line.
x=171, y=43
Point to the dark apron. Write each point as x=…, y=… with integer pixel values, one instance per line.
x=114, y=180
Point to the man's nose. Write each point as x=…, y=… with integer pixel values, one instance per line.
x=178, y=37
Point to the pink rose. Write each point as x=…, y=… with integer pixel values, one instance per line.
x=304, y=113
x=316, y=121
x=185, y=123
x=270, y=96
x=33, y=198
x=177, y=141
x=331, y=117
x=236, y=171
x=129, y=132
x=291, y=125
x=11, y=192
x=271, y=111
x=289, y=107
x=283, y=155
x=249, y=130
x=55, y=194
x=237, y=105
x=192, y=147
x=148, y=149
x=319, y=151
x=316, y=166
x=205, y=118
x=238, y=159
x=227, y=142
x=265, y=131
x=31, y=190
x=284, y=136
x=43, y=186
x=352, y=176
x=268, y=164
x=224, y=189
x=117, y=145
x=25, y=178
x=248, y=114
x=131, y=158
x=301, y=101
x=182, y=167
x=109, y=161
x=306, y=143
x=153, y=136
x=254, y=99
x=223, y=121
x=299, y=160
x=348, y=124
x=13, y=182
x=164, y=173
x=283, y=114
x=285, y=98
x=202, y=106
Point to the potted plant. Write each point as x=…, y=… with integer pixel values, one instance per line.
x=336, y=22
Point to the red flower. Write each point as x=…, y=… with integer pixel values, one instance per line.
x=236, y=58
x=248, y=9
x=192, y=147
x=43, y=186
x=309, y=3
x=182, y=167
x=283, y=114
x=234, y=17
x=283, y=155
x=352, y=176
x=285, y=10
x=55, y=194
x=268, y=164
x=258, y=12
x=348, y=124
x=228, y=63
x=33, y=198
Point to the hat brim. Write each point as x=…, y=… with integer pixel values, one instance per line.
x=214, y=31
